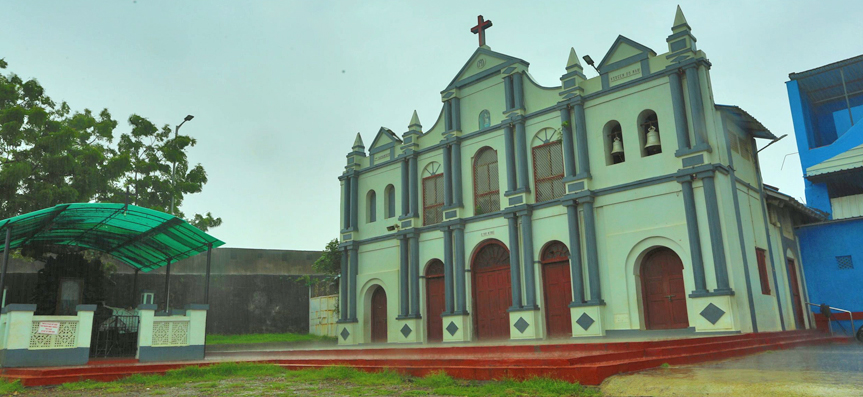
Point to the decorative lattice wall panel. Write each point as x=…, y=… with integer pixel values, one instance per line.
x=67, y=336
x=170, y=333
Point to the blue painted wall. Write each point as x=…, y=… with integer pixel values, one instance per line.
x=819, y=246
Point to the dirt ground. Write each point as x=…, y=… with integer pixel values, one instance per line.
x=833, y=370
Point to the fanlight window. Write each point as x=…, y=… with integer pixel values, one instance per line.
x=433, y=194
x=555, y=252
x=485, y=182
x=548, y=171
x=491, y=256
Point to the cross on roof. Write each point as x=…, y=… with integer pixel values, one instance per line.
x=481, y=26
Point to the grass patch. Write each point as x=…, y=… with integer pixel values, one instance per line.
x=346, y=374
x=209, y=375
x=443, y=384
x=7, y=387
x=265, y=338
x=665, y=365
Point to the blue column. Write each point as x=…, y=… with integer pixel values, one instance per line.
x=679, y=106
x=507, y=85
x=414, y=185
x=406, y=201
x=458, y=236
x=696, y=105
x=694, y=238
x=715, y=228
x=343, y=286
x=575, y=253
x=403, y=277
x=415, y=275
x=509, y=147
x=514, y=268
x=346, y=196
x=456, y=174
x=568, y=148
x=521, y=156
x=447, y=269
x=355, y=193
x=581, y=139
x=354, y=255
x=447, y=177
x=518, y=87
x=456, y=113
x=447, y=115
x=592, y=256
x=529, y=275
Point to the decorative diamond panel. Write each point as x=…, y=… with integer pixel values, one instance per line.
x=170, y=333
x=345, y=334
x=712, y=313
x=452, y=328
x=521, y=325
x=406, y=330
x=585, y=321
x=67, y=336
x=844, y=262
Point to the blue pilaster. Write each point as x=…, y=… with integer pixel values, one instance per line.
x=592, y=255
x=455, y=106
x=509, y=147
x=575, y=271
x=355, y=193
x=527, y=254
x=514, y=268
x=458, y=237
x=457, y=199
x=405, y=188
x=696, y=107
x=508, y=92
x=412, y=161
x=521, y=156
x=355, y=261
x=518, y=88
x=404, y=278
x=447, y=115
x=413, y=241
x=343, y=286
x=715, y=228
x=581, y=139
x=679, y=107
x=447, y=177
x=447, y=270
x=346, y=194
x=694, y=237
x=568, y=147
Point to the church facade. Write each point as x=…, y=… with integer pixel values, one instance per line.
x=625, y=203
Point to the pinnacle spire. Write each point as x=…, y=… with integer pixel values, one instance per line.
x=415, y=123
x=573, y=62
x=358, y=143
x=680, y=23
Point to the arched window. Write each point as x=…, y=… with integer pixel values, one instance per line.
x=389, y=201
x=372, y=212
x=548, y=165
x=486, y=186
x=433, y=193
x=648, y=133
x=613, y=136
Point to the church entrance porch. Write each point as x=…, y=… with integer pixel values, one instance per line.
x=664, y=294
x=435, y=301
x=557, y=290
x=379, y=316
x=491, y=291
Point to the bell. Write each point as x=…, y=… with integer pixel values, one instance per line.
x=617, y=146
x=652, y=138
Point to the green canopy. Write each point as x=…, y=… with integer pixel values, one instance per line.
x=140, y=237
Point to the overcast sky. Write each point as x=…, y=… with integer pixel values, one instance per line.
x=279, y=89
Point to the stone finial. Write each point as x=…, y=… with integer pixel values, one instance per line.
x=573, y=62
x=679, y=22
x=358, y=143
x=415, y=123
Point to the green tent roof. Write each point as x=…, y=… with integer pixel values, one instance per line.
x=140, y=237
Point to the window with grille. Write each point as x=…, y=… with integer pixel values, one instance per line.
x=433, y=193
x=548, y=171
x=486, y=186
x=844, y=262
x=762, y=270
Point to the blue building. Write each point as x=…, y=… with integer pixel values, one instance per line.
x=827, y=109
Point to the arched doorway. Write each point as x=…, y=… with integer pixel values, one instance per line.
x=379, y=316
x=663, y=292
x=557, y=289
x=492, y=294
x=795, y=294
x=435, y=301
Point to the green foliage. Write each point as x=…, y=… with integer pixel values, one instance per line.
x=330, y=261
x=9, y=388
x=50, y=155
x=265, y=338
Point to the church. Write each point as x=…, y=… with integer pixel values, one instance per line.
x=627, y=204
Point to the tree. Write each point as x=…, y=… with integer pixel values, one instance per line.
x=49, y=156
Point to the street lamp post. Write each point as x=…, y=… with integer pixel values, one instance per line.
x=174, y=166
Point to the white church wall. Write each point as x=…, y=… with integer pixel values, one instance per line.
x=377, y=180
x=486, y=95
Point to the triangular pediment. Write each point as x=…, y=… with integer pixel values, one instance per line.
x=385, y=138
x=483, y=63
x=624, y=52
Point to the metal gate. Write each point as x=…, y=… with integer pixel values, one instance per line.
x=117, y=336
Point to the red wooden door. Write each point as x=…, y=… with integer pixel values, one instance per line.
x=435, y=301
x=557, y=288
x=663, y=292
x=795, y=294
x=492, y=294
x=379, y=316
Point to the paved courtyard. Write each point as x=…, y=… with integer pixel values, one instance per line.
x=828, y=370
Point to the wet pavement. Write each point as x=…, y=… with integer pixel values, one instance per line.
x=824, y=370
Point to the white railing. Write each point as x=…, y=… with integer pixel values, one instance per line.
x=850, y=316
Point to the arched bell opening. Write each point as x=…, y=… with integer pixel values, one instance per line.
x=648, y=133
